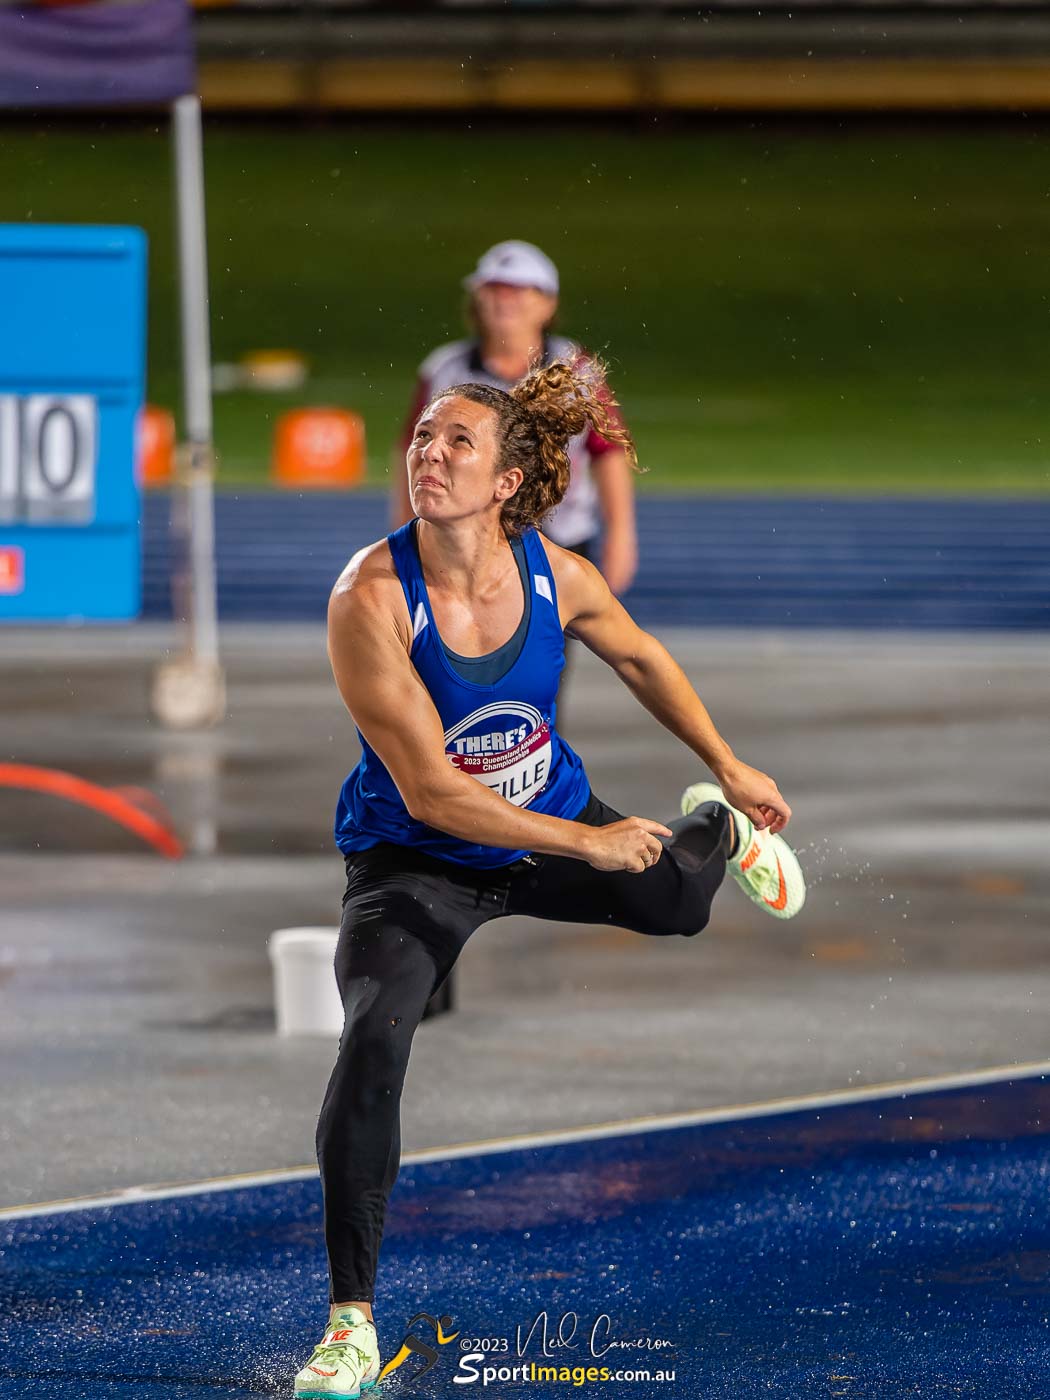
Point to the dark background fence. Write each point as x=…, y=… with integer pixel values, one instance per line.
x=878, y=562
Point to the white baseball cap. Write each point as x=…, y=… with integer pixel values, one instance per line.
x=520, y=264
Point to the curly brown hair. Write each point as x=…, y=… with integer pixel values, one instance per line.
x=535, y=421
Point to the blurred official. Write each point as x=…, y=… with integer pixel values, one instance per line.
x=513, y=300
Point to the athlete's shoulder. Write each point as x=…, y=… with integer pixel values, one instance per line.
x=565, y=561
x=369, y=583
x=580, y=585
x=446, y=363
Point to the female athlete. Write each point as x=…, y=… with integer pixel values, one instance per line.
x=446, y=640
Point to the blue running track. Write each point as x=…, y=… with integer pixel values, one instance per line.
x=898, y=1246
x=789, y=561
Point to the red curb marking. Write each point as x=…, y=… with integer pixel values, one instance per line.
x=110, y=802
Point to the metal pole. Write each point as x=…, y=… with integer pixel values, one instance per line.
x=190, y=692
x=196, y=372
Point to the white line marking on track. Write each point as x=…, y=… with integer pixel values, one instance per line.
x=132, y=1195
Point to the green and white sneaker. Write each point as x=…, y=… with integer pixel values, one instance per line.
x=765, y=867
x=345, y=1361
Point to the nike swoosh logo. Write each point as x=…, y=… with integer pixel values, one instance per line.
x=317, y=1371
x=782, y=893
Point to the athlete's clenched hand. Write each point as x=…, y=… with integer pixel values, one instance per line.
x=755, y=793
x=630, y=844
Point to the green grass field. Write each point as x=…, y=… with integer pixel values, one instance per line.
x=859, y=309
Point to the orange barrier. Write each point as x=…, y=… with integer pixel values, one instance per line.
x=156, y=446
x=12, y=569
x=122, y=805
x=319, y=447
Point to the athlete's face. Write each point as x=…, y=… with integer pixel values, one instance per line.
x=506, y=311
x=452, y=462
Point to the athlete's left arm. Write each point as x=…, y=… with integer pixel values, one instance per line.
x=589, y=611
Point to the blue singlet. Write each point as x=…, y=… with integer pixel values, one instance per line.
x=502, y=734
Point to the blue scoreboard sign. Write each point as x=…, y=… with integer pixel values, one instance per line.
x=72, y=371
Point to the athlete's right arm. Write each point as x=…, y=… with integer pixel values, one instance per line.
x=369, y=639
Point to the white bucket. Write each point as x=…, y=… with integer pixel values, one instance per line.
x=304, y=990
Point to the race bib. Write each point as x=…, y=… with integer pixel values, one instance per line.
x=506, y=746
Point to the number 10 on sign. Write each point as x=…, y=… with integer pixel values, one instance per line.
x=48, y=458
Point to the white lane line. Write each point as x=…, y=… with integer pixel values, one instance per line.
x=132, y=1195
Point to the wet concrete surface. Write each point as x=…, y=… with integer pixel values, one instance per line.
x=136, y=1022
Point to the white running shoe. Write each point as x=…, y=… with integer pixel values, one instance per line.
x=345, y=1361
x=765, y=867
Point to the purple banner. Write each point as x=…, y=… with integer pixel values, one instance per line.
x=95, y=53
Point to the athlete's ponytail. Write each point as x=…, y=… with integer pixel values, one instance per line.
x=536, y=420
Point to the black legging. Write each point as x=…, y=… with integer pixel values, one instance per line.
x=406, y=918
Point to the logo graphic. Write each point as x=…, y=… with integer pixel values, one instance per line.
x=782, y=892
x=781, y=897
x=413, y=1345
x=506, y=746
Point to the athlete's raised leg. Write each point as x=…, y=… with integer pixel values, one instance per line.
x=672, y=897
